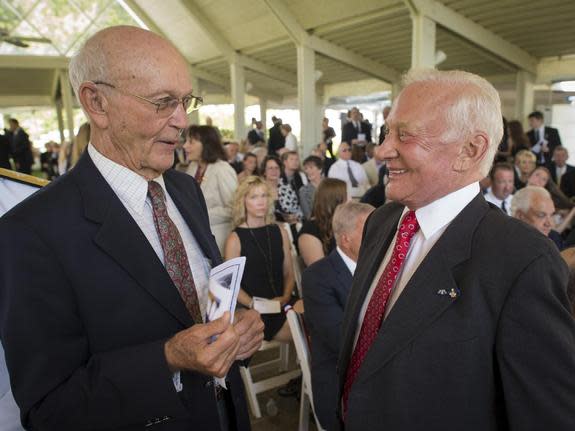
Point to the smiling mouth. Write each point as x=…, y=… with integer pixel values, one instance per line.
x=394, y=173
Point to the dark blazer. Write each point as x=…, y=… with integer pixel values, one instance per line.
x=5, y=152
x=568, y=183
x=87, y=306
x=276, y=139
x=349, y=132
x=254, y=137
x=552, y=170
x=21, y=150
x=481, y=338
x=326, y=285
x=551, y=135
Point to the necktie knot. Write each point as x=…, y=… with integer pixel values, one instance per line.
x=156, y=194
x=409, y=224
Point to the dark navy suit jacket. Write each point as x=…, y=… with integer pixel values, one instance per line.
x=326, y=285
x=87, y=306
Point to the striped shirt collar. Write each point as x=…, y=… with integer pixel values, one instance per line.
x=130, y=187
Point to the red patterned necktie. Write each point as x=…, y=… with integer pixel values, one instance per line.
x=376, y=307
x=175, y=256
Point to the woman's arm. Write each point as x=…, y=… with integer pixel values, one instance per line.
x=233, y=248
x=310, y=248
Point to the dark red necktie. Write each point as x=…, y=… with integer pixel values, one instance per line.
x=376, y=307
x=175, y=256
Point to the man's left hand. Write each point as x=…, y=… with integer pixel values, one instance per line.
x=249, y=326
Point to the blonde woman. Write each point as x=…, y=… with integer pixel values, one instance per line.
x=269, y=271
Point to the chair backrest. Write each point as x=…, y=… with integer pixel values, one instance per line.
x=297, y=261
x=301, y=348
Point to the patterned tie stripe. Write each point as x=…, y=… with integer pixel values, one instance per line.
x=376, y=307
x=175, y=256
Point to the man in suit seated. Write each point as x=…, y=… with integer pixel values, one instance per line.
x=326, y=286
x=500, y=193
x=458, y=317
x=350, y=171
x=559, y=167
x=104, y=273
x=543, y=139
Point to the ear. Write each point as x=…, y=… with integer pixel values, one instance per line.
x=471, y=152
x=95, y=104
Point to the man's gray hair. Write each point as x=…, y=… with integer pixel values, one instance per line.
x=477, y=108
x=345, y=217
x=88, y=64
x=523, y=199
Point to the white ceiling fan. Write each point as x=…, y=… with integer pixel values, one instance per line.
x=21, y=41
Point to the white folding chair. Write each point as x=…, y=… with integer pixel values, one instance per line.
x=263, y=385
x=297, y=261
x=302, y=350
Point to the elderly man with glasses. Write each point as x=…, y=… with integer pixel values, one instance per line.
x=103, y=285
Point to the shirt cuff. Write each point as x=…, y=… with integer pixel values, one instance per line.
x=177, y=382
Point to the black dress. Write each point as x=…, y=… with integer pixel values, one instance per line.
x=311, y=228
x=263, y=273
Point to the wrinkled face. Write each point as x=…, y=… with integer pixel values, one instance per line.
x=272, y=171
x=540, y=214
x=538, y=178
x=256, y=202
x=292, y=162
x=344, y=151
x=560, y=157
x=503, y=184
x=193, y=148
x=312, y=171
x=420, y=161
x=250, y=164
x=144, y=140
x=525, y=165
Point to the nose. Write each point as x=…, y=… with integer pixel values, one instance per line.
x=387, y=150
x=179, y=118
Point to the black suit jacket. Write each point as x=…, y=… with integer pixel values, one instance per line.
x=276, y=139
x=87, y=306
x=326, y=285
x=552, y=170
x=496, y=354
x=254, y=137
x=349, y=132
x=551, y=135
x=5, y=152
x=568, y=183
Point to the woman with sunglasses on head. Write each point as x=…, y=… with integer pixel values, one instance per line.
x=217, y=179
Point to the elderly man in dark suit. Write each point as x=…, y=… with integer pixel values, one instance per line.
x=458, y=317
x=326, y=285
x=558, y=166
x=355, y=130
x=103, y=285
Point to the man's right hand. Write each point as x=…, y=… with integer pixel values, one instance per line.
x=193, y=348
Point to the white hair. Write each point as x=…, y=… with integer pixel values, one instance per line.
x=88, y=64
x=345, y=217
x=523, y=199
x=477, y=108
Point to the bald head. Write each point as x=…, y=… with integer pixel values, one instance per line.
x=135, y=87
x=121, y=54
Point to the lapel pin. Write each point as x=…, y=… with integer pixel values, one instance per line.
x=453, y=292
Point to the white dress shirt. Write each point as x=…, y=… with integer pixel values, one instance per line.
x=132, y=190
x=490, y=197
x=433, y=219
x=349, y=262
x=339, y=170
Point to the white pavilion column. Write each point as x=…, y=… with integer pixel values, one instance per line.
x=194, y=117
x=422, y=41
x=238, y=86
x=58, y=106
x=524, y=89
x=307, y=102
x=68, y=103
x=263, y=111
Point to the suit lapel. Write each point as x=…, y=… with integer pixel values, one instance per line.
x=120, y=237
x=432, y=289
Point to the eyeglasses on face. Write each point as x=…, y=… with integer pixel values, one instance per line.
x=166, y=105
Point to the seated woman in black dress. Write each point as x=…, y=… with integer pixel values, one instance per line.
x=316, y=235
x=268, y=272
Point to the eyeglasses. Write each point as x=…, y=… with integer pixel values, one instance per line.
x=167, y=105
